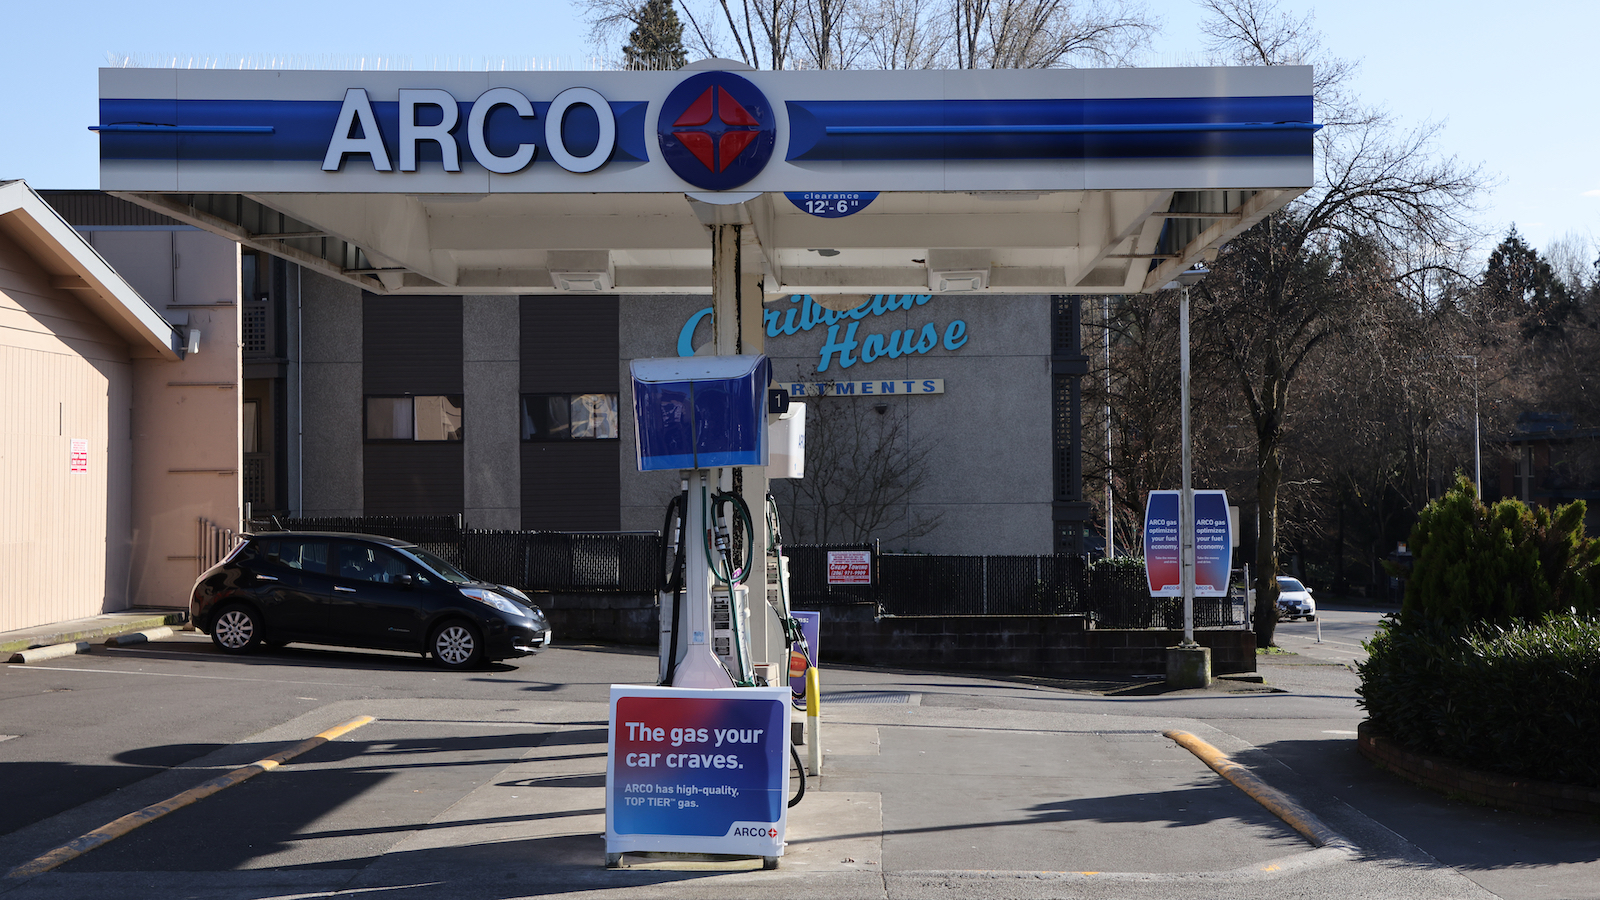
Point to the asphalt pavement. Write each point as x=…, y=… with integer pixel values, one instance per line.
x=490, y=784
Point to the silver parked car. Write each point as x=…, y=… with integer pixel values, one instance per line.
x=1295, y=600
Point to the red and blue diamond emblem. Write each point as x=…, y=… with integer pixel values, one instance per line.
x=717, y=130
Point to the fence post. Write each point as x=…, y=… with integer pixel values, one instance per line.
x=1249, y=601
x=985, y=571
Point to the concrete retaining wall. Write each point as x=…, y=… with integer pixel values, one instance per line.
x=607, y=618
x=856, y=635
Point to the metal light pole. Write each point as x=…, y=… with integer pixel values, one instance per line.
x=1111, y=516
x=1186, y=497
x=1477, y=442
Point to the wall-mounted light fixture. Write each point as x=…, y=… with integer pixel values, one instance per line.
x=958, y=270
x=193, y=345
x=585, y=271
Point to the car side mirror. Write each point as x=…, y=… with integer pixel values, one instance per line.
x=405, y=581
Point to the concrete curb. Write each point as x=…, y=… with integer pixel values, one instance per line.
x=1525, y=795
x=113, y=625
x=139, y=637
x=1278, y=803
x=54, y=651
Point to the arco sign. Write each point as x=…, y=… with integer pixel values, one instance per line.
x=580, y=146
x=715, y=130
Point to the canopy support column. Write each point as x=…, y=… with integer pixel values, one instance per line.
x=736, y=314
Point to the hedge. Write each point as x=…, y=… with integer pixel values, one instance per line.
x=1522, y=699
x=1500, y=564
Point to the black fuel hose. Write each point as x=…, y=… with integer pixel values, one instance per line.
x=801, y=768
x=672, y=579
x=672, y=544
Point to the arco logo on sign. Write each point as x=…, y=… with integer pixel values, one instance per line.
x=717, y=130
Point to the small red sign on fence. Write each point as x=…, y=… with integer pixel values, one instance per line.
x=849, y=566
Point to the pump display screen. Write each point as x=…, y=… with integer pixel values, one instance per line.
x=702, y=423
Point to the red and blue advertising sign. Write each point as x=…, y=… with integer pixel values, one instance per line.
x=1213, y=544
x=698, y=771
x=1161, y=567
x=810, y=625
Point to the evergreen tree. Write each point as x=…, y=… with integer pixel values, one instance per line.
x=656, y=42
x=1520, y=284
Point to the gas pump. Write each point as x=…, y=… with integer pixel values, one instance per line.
x=706, y=417
x=700, y=762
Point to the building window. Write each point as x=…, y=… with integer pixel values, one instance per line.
x=569, y=417
x=424, y=418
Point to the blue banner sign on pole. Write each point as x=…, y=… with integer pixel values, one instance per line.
x=831, y=204
x=1161, y=563
x=1213, y=544
x=698, y=771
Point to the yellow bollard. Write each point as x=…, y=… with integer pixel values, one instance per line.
x=813, y=724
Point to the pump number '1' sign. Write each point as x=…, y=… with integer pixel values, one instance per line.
x=1213, y=544
x=698, y=771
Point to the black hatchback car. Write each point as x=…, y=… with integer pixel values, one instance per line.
x=359, y=590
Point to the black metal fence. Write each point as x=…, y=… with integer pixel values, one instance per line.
x=555, y=561
x=1115, y=596
x=566, y=562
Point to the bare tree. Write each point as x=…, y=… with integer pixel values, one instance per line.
x=1043, y=34
x=1260, y=33
x=832, y=35
x=863, y=465
x=903, y=34
x=1143, y=404
x=1283, y=288
x=1572, y=257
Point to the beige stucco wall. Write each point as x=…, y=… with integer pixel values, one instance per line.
x=187, y=448
x=63, y=375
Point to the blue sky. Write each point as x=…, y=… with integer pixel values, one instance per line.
x=1513, y=85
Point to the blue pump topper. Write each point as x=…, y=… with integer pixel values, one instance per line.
x=700, y=412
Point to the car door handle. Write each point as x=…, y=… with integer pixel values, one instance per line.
x=266, y=578
x=344, y=590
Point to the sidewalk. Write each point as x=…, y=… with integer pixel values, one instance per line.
x=93, y=629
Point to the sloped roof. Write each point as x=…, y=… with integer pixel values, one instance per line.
x=74, y=266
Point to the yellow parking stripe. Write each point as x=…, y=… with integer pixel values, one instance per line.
x=107, y=833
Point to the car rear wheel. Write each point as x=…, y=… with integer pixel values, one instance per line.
x=457, y=645
x=237, y=629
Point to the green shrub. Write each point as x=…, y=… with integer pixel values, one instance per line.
x=1522, y=699
x=1474, y=564
x=1125, y=565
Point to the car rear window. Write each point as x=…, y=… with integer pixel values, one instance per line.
x=293, y=553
